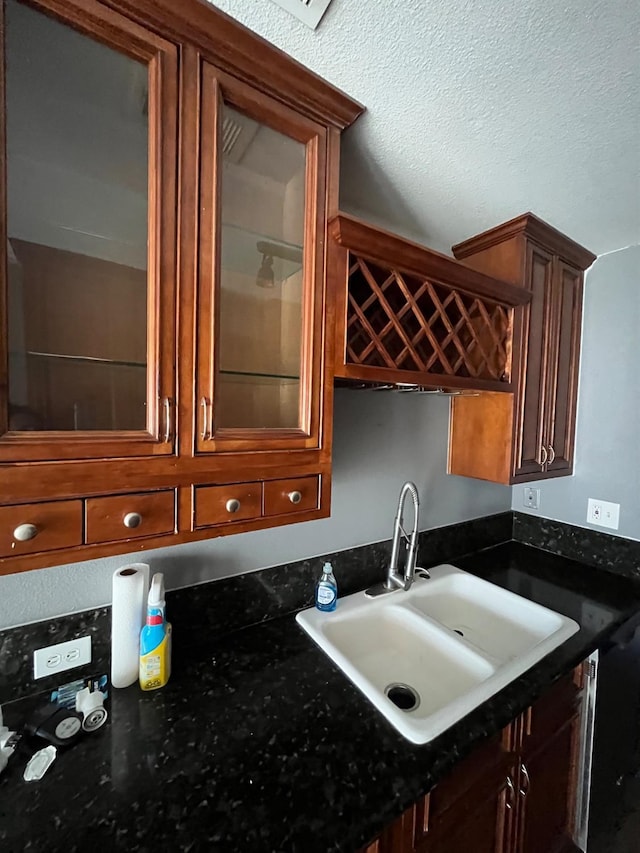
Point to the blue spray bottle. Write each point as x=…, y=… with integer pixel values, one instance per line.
x=155, y=640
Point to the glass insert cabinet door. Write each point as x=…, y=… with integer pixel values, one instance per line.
x=260, y=271
x=88, y=269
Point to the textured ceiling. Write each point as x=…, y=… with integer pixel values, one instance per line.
x=478, y=110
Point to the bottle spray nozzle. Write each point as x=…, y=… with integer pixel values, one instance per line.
x=156, y=592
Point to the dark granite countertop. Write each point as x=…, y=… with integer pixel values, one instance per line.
x=259, y=743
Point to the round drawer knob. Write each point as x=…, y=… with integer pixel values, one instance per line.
x=232, y=505
x=132, y=520
x=24, y=532
x=295, y=497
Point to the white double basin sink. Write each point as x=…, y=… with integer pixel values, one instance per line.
x=427, y=657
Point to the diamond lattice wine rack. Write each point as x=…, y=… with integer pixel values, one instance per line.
x=407, y=314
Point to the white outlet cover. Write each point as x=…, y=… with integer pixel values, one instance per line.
x=62, y=656
x=531, y=497
x=603, y=513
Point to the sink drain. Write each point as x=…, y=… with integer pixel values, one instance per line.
x=402, y=696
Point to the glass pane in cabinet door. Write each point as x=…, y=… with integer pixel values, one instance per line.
x=77, y=154
x=261, y=276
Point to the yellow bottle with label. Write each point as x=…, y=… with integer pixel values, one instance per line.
x=155, y=640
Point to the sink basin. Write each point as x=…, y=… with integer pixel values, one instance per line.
x=427, y=657
x=408, y=650
x=499, y=624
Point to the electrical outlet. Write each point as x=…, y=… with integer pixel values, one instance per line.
x=531, y=497
x=52, y=659
x=603, y=513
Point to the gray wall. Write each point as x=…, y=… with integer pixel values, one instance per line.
x=607, y=464
x=381, y=440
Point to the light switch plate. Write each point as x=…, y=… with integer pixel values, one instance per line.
x=62, y=656
x=603, y=513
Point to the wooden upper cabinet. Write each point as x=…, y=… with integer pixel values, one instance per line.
x=87, y=318
x=166, y=181
x=528, y=435
x=261, y=267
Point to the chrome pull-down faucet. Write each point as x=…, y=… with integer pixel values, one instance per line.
x=394, y=579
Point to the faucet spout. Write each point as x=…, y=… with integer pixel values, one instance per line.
x=394, y=579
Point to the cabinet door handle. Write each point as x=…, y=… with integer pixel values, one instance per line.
x=295, y=497
x=166, y=403
x=25, y=532
x=232, y=505
x=552, y=454
x=512, y=794
x=525, y=790
x=528, y=722
x=543, y=451
x=206, y=432
x=132, y=520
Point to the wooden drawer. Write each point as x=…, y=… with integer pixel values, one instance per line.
x=228, y=503
x=130, y=516
x=295, y=495
x=58, y=525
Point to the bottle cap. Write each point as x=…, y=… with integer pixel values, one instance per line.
x=39, y=763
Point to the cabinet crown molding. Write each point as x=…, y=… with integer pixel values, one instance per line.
x=530, y=226
x=239, y=51
x=379, y=245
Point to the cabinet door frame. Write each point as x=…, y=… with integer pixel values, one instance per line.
x=542, y=303
x=563, y=369
x=217, y=88
x=529, y=811
x=110, y=28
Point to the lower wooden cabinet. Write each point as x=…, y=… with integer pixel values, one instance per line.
x=514, y=794
x=545, y=786
x=547, y=770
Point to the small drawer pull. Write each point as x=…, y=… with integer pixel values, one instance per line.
x=132, y=520
x=232, y=505
x=552, y=455
x=25, y=532
x=295, y=497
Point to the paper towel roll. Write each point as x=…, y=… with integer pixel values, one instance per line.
x=128, y=610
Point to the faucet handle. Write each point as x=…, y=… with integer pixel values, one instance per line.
x=422, y=573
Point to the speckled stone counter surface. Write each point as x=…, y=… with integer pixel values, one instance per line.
x=259, y=743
